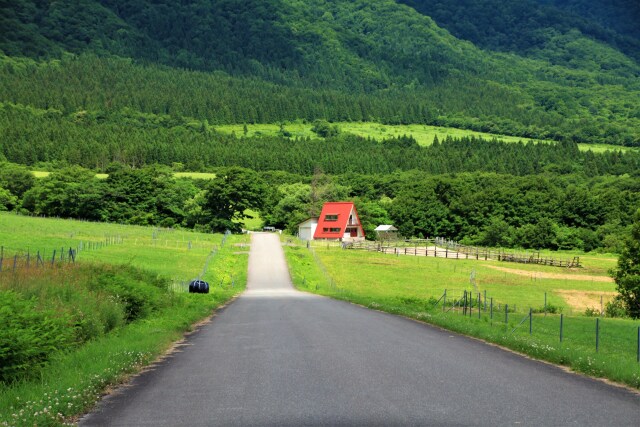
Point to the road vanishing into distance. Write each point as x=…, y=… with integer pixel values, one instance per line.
x=281, y=357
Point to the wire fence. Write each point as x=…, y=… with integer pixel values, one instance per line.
x=12, y=260
x=227, y=280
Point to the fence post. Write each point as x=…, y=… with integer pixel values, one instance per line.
x=485, y=300
x=638, y=350
x=597, y=334
x=530, y=321
x=545, y=303
x=506, y=314
x=444, y=302
x=479, y=306
x=561, y=325
x=53, y=258
x=15, y=262
x=464, y=313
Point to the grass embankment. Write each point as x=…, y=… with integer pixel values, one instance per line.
x=411, y=286
x=71, y=331
x=423, y=134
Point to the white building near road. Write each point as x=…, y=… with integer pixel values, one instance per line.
x=307, y=228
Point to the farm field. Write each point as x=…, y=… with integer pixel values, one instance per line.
x=414, y=287
x=424, y=134
x=425, y=277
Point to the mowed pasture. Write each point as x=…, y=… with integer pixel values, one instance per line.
x=516, y=284
x=414, y=286
x=423, y=134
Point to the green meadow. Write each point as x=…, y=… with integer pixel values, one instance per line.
x=77, y=329
x=415, y=286
x=423, y=134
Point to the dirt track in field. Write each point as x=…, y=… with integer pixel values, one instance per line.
x=581, y=300
x=545, y=275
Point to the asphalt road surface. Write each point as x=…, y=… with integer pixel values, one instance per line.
x=281, y=357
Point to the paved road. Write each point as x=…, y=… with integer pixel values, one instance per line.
x=280, y=357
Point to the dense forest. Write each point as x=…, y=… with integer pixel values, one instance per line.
x=233, y=62
x=543, y=29
x=136, y=140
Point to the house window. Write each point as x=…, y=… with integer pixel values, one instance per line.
x=331, y=217
x=334, y=230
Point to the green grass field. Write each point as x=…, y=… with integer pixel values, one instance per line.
x=192, y=175
x=73, y=379
x=424, y=134
x=177, y=254
x=424, y=277
x=414, y=287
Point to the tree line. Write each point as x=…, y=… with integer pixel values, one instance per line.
x=536, y=211
x=95, y=141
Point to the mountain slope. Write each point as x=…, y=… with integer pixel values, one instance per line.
x=349, y=54
x=529, y=26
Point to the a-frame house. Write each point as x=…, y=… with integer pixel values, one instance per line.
x=339, y=221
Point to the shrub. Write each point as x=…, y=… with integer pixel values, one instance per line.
x=592, y=312
x=28, y=336
x=550, y=308
x=615, y=307
x=139, y=293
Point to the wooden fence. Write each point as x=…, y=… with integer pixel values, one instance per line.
x=442, y=248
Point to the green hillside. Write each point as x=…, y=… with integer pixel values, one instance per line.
x=556, y=30
x=268, y=61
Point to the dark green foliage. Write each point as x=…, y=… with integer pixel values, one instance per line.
x=7, y=200
x=503, y=210
x=28, y=335
x=533, y=27
x=324, y=129
x=228, y=196
x=616, y=307
x=627, y=273
x=139, y=293
x=88, y=302
x=15, y=178
x=160, y=139
x=72, y=192
x=281, y=60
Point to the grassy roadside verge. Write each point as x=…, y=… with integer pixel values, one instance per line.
x=114, y=311
x=614, y=360
x=72, y=382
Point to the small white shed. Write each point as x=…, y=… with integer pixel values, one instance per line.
x=386, y=232
x=307, y=228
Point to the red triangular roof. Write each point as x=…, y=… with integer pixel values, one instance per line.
x=341, y=210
